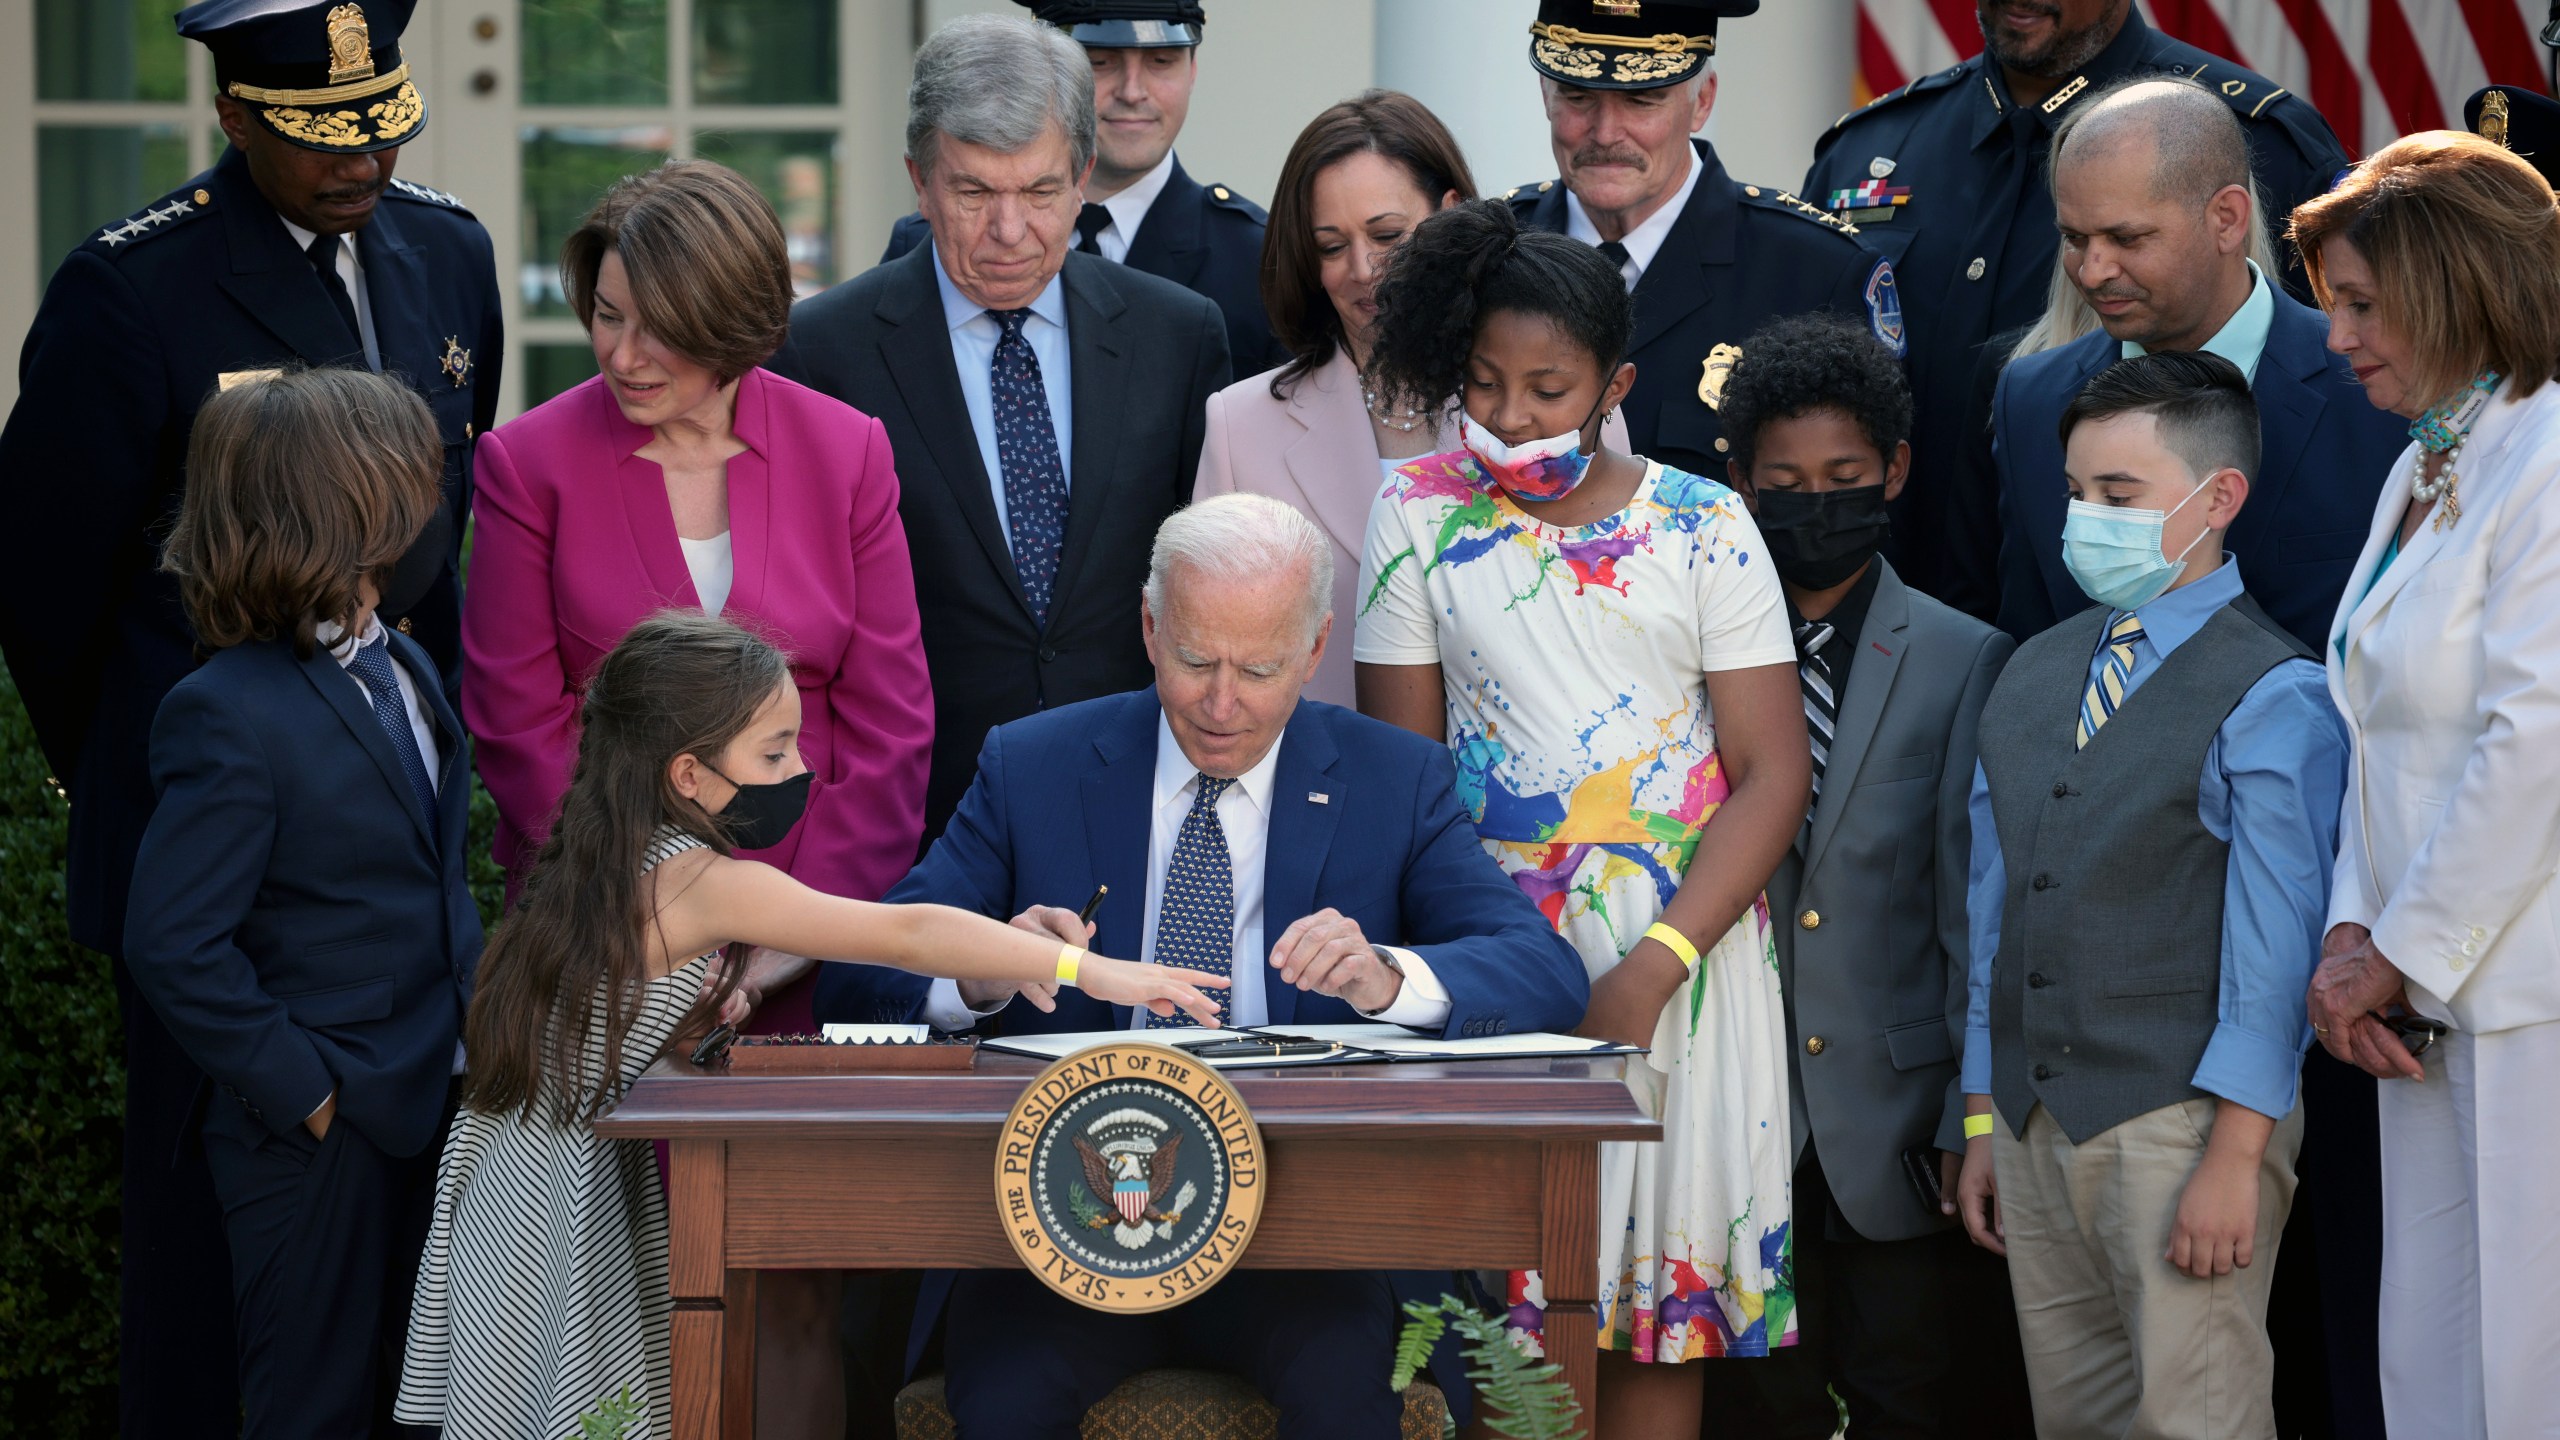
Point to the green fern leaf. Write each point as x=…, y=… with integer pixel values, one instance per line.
x=611, y=1419
x=1414, y=1343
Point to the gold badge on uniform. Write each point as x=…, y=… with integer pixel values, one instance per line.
x=456, y=363
x=1718, y=367
x=1129, y=1177
x=350, y=45
x=2493, y=117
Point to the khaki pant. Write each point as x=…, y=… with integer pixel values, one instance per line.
x=2120, y=1345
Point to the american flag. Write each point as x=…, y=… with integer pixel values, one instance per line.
x=2377, y=69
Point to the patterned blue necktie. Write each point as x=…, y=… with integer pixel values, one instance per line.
x=1196, y=928
x=373, y=666
x=1035, y=480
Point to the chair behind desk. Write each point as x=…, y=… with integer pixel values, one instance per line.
x=1171, y=1405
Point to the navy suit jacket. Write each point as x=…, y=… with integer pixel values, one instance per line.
x=296, y=921
x=2325, y=450
x=1389, y=847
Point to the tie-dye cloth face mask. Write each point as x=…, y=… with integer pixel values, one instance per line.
x=1538, y=470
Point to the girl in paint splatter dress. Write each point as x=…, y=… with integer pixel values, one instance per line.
x=1603, y=645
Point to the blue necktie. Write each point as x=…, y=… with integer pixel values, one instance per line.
x=1196, y=928
x=373, y=666
x=1035, y=480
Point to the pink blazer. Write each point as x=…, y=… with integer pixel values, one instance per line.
x=1316, y=451
x=575, y=542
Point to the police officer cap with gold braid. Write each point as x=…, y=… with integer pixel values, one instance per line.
x=2525, y=121
x=324, y=74
x=1627, y=44
x=1124, y=24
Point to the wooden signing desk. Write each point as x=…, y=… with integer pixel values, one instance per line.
x=1485, y=1164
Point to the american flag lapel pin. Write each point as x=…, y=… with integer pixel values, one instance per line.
x=1318, y=797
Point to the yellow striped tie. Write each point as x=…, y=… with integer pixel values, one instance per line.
x=2107, y=691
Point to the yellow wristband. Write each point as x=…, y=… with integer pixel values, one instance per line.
x=1977, y=1126
x=1069, y=957
x=1675, y=942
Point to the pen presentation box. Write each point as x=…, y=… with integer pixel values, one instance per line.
x=850, y=1050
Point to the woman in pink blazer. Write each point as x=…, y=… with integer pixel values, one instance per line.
x=1359, y=178
x=683, y=475
x=683, y=468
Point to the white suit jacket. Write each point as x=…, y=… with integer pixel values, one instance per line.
x=2448, y=673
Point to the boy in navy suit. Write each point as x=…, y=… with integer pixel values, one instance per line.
x=299, y=916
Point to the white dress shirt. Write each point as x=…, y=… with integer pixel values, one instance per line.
x=974, y=334
x=351, y=272
x=1129, y=211
x=1244, y=813
x=1645, y=241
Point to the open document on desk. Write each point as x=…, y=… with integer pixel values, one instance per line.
x=1271, y=1046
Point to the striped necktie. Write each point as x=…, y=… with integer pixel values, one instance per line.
x=1821, y=707
x=2106, y=693
x=1196, y=924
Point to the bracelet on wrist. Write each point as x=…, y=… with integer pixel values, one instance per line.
x=1977, y=1126
x=1070, y=958
x=1675, y=942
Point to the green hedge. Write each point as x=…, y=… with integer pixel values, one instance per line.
x=62, y=1085
x=63, y=1079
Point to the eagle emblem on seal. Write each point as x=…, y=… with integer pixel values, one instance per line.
x=1129, y=1158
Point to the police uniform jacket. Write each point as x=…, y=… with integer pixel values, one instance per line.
x=1964, y=209
x=1738, y=257
x=1205, y=238
x=139, y=326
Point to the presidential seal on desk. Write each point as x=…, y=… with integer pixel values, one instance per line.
x=1129, y=1177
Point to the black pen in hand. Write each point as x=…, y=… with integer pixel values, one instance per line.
x=1085, y=916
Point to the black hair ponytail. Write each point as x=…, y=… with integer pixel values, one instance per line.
x=1469, y=261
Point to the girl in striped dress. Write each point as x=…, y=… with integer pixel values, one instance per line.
x=543, y=1287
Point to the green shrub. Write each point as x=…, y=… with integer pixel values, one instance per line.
x=63, y=1082
x=64, y=1088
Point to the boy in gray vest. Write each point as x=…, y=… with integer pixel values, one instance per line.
x=2155, y=810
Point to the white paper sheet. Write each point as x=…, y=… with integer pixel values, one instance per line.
x=1392, y=1042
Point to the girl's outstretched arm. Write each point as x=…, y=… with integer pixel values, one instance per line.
x=746, y=901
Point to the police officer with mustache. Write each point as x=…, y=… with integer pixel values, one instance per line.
x=1709, y=258
x=1947, y=177
x=299, y=247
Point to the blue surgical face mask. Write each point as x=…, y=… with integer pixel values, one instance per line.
x=2115, y=556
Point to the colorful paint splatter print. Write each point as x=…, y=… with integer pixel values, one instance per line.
x=1574, y=662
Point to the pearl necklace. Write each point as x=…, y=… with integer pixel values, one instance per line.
x=2444, y=430
x=1403, y=422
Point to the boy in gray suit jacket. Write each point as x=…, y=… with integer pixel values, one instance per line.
x=1871, y=899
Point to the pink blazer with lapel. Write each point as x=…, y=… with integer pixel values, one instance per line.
x=575, y=543
x=1316, y=451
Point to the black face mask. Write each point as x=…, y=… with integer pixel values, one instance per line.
x=406, y=581
x=1817, y=541
x=760, y=817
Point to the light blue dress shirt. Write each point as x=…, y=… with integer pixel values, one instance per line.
x=2274, y=779
x=2243, y=337
x=974, y=333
